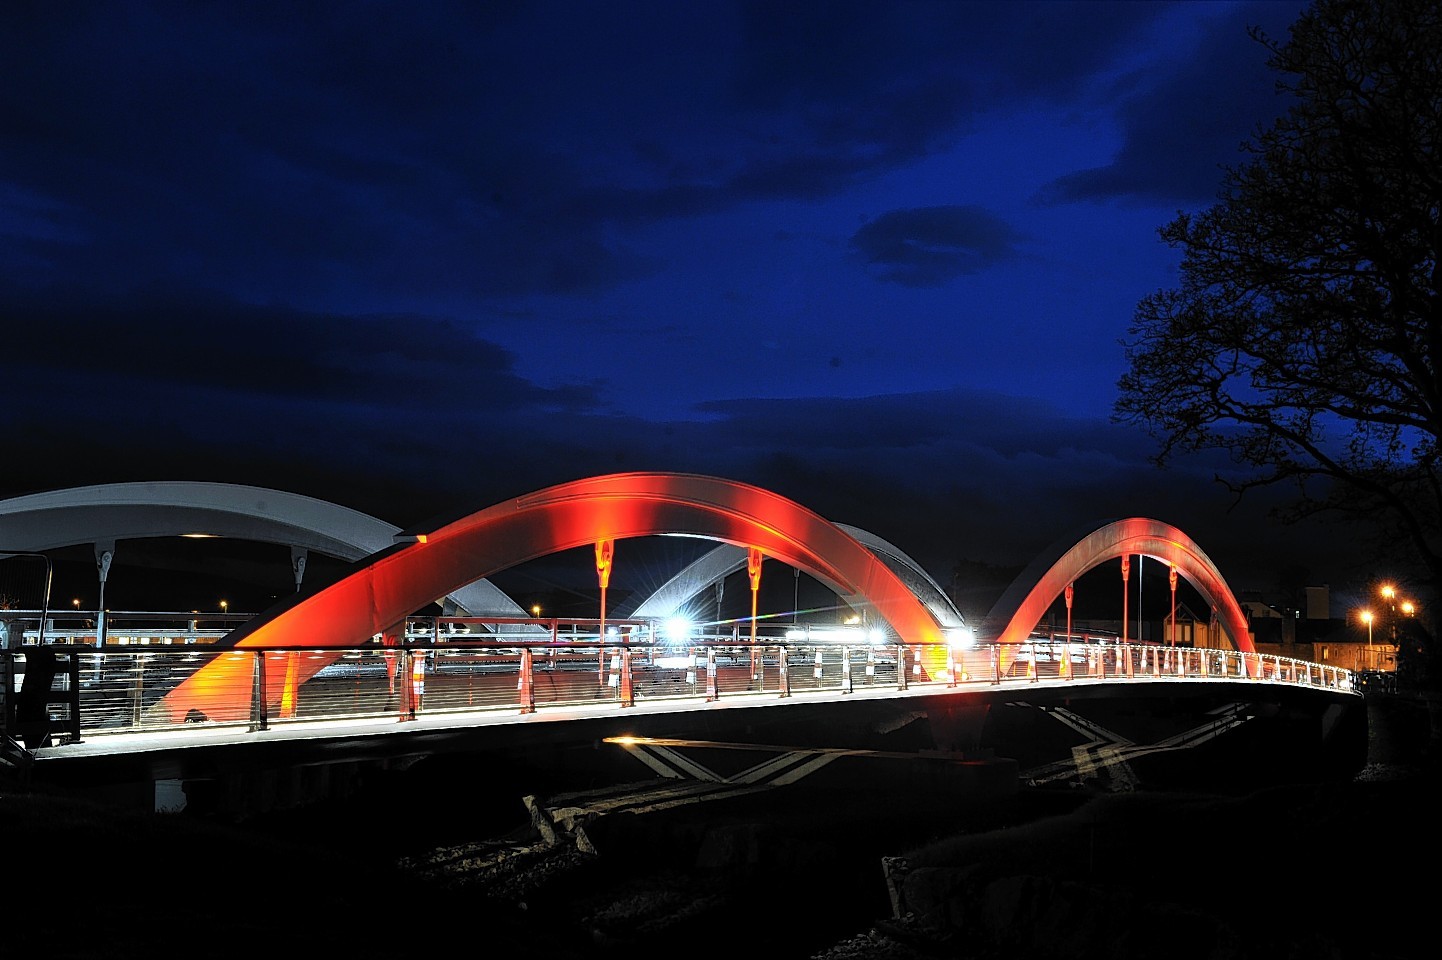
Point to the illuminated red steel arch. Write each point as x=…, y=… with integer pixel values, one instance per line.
x=395, y=582
x=1022, y=607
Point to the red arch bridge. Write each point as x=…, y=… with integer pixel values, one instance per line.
x=348, y=670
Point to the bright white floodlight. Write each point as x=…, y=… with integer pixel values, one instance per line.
x=677, y=630
x=963, y=638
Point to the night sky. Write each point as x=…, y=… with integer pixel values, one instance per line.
x=414, y=257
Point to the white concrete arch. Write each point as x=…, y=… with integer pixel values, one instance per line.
x=726, y=559
x=104, y=514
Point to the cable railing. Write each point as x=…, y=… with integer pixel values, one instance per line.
x=169, y=676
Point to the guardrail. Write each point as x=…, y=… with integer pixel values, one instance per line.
x=122, y=689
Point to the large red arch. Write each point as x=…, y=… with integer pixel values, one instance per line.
x=1022, y=607
x=397, y=581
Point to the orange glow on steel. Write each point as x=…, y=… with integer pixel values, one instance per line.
x=397, y=581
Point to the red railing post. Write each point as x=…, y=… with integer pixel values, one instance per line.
x=526, y=683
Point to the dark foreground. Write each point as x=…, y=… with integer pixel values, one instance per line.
x=1340, y=869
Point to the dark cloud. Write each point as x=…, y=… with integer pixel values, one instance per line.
x=930, y=246
x=1182, y=126
x=232, y=352
x=388, y=152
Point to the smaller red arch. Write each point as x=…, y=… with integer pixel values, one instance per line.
x=1024, y=604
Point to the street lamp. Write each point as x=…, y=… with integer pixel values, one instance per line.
x=1367, y=619
x=536, y=610
x=224, y=607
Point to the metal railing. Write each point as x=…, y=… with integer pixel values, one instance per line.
x=132, y=687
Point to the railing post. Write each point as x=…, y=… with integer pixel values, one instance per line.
x=626, y=698
x=996, y=663
x=846, y=668
x=408, y=705
x=712, y=690
x=785, y=674
x=258, y=718
x=950, y=666
x=527, y=682
x=901, y=666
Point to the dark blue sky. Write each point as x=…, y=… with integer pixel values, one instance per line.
x=875, y=256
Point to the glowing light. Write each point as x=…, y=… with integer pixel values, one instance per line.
x=677, y=630
x=961, y=637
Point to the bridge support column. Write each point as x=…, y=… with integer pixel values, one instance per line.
x=1126, y=574
x=104, y=556
x=785, y=674
x=901, y=666
x=845, y=668
x=605, y=555
x=712, y=691
x=753, y=573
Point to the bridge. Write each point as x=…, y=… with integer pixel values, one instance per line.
x=350, y=668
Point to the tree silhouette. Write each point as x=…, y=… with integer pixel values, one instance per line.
x=1305, y=337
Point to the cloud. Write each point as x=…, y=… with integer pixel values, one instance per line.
x=443, y=152
x=1184, y=120
x=930, y=246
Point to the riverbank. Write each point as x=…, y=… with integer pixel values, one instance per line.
x=1314, y=870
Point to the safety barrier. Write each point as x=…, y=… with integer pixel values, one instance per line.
x=122, y=689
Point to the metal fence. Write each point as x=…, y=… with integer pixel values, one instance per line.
x=134, y=685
